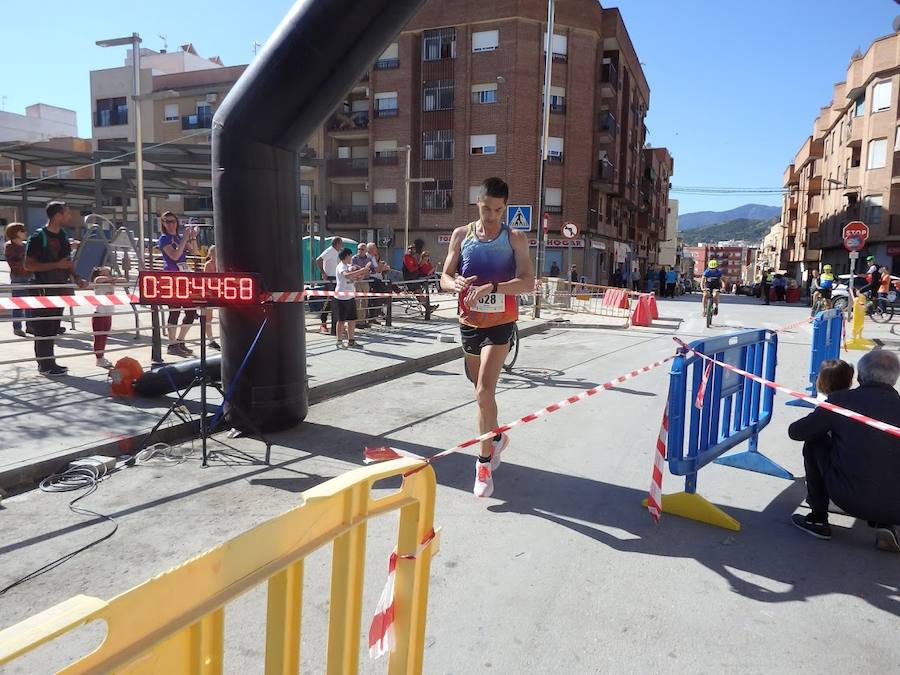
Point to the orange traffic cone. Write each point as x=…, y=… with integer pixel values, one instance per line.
x=654, y=312
x=641, y=314
x=624, y=300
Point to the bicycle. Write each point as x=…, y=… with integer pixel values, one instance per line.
x=513, y=352
x=880, y=310
x=709, y=304
x=820, y=304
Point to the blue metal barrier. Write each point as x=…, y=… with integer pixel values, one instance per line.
x=828, y=328
x=734, y=409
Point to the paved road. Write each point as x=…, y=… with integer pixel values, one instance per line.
x=560, y=571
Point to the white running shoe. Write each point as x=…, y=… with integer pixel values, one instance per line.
x=104, y=363
x=484, y=482
x=496, y=448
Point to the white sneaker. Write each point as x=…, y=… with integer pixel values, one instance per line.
x=484, y=481
x=496, y=448
x=104, y=363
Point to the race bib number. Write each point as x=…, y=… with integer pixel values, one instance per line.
x=183, y=267
x=492, y=303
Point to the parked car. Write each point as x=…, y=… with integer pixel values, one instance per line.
x=840, y=296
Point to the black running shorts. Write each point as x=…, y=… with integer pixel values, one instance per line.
x=474, y=339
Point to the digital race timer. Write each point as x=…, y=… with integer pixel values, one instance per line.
x=206, y=289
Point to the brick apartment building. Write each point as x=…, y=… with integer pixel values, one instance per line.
x=462, y=88
x=736, y=262
x=848, y=169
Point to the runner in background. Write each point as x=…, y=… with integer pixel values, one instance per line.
x=488, y=265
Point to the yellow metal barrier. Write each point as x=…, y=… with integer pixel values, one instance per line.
x=174, y=623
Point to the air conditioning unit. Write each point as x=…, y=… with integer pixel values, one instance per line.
x=212, y=98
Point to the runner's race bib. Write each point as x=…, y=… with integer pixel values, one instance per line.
x=492, y=303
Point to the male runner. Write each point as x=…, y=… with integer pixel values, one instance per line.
x=488, y=266
x=711, y=281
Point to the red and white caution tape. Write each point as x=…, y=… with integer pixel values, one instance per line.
x=381, y=631
x=701, y=390
x=654, y=498
x=379, y=454
x=63, y=301
x=858, y=417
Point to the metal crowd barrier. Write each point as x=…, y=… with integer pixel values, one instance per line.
x=712, y=410
x=577, y=297
x=828, y=329
x=174, y=623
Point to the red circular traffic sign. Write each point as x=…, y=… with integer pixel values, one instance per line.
x=855, y=235
x=569, y=230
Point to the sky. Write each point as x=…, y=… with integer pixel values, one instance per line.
x=735, y=86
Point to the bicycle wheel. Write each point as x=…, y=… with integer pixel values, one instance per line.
x=709, y=312
x=513, y=353
x=882, y=312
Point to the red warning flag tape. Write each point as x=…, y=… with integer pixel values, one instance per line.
x=63, y=301
x=654, y=499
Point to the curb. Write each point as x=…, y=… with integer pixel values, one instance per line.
x=27, y=475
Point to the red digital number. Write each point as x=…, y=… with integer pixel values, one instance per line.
x=182, y=287
x=198, y=287
x=166, y=287
x=246, y=289
x=214, y=287
x=149, y=287
x=230, y=288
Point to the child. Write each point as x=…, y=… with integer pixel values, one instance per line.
x=346, y=276
x=101, y=322
x=210, y=266
x=834, y=375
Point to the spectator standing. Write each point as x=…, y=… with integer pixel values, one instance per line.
x=327, y=263
x=554, y=269
x=766, y=283
x=47, y=256
x=174, y=248
x=377, y=282
x=101, y=322
x=661, y=278
x=780, y=284
x=410, y=264
x=850, y=463
x=636, y=278
x=14, y=251
x=671, y=281
x=345, y=281
x=361, y=262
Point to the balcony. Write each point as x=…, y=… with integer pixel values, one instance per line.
x=815, y=186
x=110, y=118
x=811, y=149
x=437, y=200
x=357, y=122
x=895, y=169
x=387, y=112
x=555, y=158
x=348, y=214
x=605, y=181
x=386, y=158
x=197, y=121
x=558, y=108
x=385, y=208
x=387, y=64
x=792, y=204
x=607, y=127
x=791, y=177
x=552, y=208
x=348, y=168
x=609, y=80
x=812, y=222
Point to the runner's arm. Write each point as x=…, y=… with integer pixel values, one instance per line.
x=524, y=281
x=450, y=279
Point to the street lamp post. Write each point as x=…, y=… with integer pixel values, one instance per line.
x=548, y=68
x=407, y=182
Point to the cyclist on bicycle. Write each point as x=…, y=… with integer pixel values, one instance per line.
x=823, y=287
x=711, y=283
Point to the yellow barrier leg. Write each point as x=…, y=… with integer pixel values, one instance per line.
x=693, y=506
x=285, y=604
x=859, y=320
x=208, y=643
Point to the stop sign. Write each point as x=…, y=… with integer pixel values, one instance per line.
x=855, y=235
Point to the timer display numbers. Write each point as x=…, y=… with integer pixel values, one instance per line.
x=200, y=289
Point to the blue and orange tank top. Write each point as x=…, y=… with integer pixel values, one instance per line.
x=491, y=261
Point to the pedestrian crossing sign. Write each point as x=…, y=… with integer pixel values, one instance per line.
x=518, y=217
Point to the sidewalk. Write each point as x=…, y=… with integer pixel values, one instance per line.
x=48, y=422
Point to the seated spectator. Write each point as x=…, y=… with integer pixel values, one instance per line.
x=849, y=463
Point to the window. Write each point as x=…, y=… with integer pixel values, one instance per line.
x=860, y=108
x=386, y=152
x=557, y=99
x=438, y=95
x=437, y=196
x=877, y=151
x=897, y=140
x=872, y=209
x=484, y=144
x=390, y=58
x=439, y=44
x=484, y=93
x=881, y=96
x=485, y=41
x=111, y=112
x=386, y=104
x=304, y=197
x=555, y=150
x=45, y=173
x=553, y=200
x=385, y=196
x=438, y=144
x=559, y=48
x=473, y=193
x=6, y=179
x=171, y=113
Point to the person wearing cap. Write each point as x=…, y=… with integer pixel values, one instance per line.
x=823, y=285
x=711, y=281
x=871, y=275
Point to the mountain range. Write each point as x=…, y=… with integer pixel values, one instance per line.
x=688, y=221
x=746, y=229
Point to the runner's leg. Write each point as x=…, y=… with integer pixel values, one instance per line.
x=491, y=363
x=472, y=365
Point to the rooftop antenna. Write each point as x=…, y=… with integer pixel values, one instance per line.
x=3, y=102
x=255, y=46
x=165, y=39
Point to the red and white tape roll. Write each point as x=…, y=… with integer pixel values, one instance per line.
x=862, y=419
